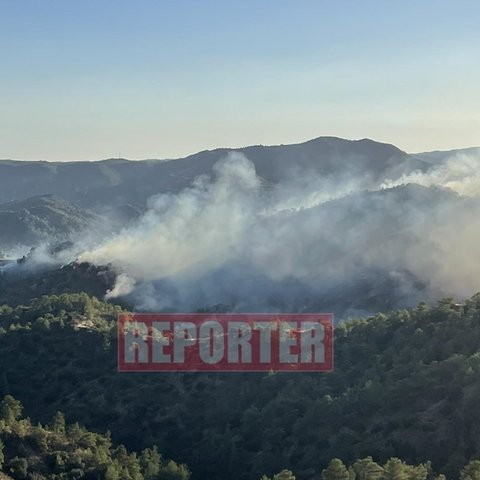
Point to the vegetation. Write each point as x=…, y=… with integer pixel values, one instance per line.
x=405, y=386
x=24, y=284
x=41, y=218
x=61, y=452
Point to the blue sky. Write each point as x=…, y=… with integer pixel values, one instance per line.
x=160, y=79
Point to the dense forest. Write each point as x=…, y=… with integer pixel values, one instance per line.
x=60, y=451
x=406, y=385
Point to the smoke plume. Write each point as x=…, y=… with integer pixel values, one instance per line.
x=348, y=244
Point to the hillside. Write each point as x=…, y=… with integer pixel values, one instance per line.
x=440, y=156
x=60, y=451
x=22, y=284
x=30, y=221
x=117, y=181
x=405, y=385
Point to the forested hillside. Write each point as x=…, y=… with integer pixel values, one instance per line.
x=43, y=218
x=60, y=451
x=406, y=384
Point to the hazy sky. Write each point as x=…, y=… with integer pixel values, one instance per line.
x=155, y=79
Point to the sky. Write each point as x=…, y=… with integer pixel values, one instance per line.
x=87, y=80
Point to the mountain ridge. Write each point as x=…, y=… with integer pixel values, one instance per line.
x=124, y=159
x=119, y=181
x=436, y=157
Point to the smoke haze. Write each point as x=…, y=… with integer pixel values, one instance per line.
x=304, y=243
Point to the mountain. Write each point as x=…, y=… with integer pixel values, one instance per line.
x=33, y=220
x=439, y=156
x=117, y=182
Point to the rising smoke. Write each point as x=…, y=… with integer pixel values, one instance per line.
x=350, y=244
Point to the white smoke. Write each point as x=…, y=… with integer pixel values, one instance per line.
x=124, y=285
x=191, y=232
x=460, y=173
x=231, y=239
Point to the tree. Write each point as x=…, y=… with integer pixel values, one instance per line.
x=10, y=410
x=367, y=469
x=420, y=472
x=471, y=471
x=2, y=456
x=336, y=470
x=75, y=432
x=112, y=472
x=59, y=423
x=174, y=471
x=284, y=475
x=40, y=438
x=150, y=461
x=19, y=467
x=395, y=469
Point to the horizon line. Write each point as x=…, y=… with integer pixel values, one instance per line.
x=236, y=148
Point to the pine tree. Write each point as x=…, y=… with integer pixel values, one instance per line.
x=59, y=423
x=2, y=456
x=471, y=471
x=395, y=469
x=10, y=410
x=336, y=470
x=420, y=472
x=150, y=461
x=367, y=469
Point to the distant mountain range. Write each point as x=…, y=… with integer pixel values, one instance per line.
x=117, y=182
x=438, y=157
x=371, y=249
